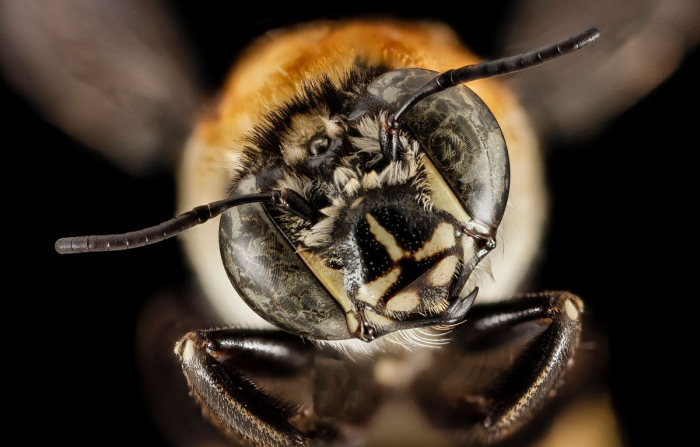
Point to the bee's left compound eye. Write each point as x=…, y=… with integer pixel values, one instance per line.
x=271, y=277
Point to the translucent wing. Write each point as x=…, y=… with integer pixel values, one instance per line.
x=114, y=75
x=642, y=43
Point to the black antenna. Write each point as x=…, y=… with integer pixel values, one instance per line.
x=388, y=133
x=502, y=66
x=135, y=239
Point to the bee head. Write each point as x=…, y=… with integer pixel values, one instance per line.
x=384, y=192
x=388, y=238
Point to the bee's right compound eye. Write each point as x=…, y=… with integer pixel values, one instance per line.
x=271, y=277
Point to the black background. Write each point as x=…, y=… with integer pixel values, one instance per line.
x=620, y=204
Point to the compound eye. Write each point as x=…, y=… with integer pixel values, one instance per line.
x=270, y=275
x=461, y=137
x=319, y=145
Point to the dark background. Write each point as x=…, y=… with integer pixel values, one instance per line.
x=619, y=217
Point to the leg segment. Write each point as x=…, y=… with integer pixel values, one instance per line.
x=510, y=397
x=238, y=376
x=229, y=398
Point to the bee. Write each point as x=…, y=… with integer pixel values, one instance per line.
x=386, y=184
x=296, y=217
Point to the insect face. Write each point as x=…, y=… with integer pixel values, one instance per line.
x=388, y=187
x=361, y=206
x=390, y=235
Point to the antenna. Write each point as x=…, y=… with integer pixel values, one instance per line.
x=286, y=198
x=502, y=66
x=450, y=78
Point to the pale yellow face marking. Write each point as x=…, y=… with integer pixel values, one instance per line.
x=353, y=324
x=331, y=279
x=571, y=310
x=442, y=273
x=441, y=194
x=385, y=238
x=404, y=301
x=443, y=238
x=357, y=201
x=371, y=292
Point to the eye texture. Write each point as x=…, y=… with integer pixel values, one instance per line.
x=319, y=145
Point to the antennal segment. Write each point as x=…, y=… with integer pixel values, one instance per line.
x=523, y=61
x=198, y=215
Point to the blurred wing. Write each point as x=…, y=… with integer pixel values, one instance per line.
x=113, y=74
x=642, y=43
